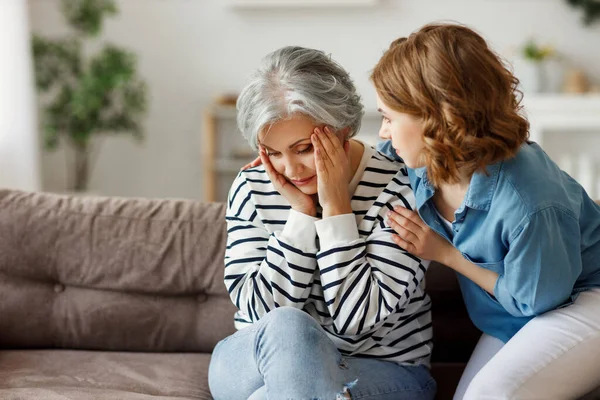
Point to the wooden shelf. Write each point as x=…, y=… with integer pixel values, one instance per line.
x=230, y=165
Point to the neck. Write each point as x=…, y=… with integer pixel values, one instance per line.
x=449, y=196
x=462, y=185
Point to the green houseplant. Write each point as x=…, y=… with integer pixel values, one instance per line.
x=86, y=96
x=538, y=67
x=591, y=10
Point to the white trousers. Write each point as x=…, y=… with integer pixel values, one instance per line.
x=554, y=356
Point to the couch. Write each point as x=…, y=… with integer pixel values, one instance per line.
x=114, y=298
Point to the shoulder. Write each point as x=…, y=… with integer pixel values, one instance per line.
x=253, y=181
x=382, y=171
x=383, y=174
x=531, y=182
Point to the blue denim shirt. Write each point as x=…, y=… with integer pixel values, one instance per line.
x=532, y=224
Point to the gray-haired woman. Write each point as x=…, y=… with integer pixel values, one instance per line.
x=329, y=307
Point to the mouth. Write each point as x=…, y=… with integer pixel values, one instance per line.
x=302, y=182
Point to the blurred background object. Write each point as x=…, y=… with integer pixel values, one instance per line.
x=86, y=96
x=591, y=10
x=19, y=153
x=196, y=55
x=539, y=68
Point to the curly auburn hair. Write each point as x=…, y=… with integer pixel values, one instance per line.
x=446, y=75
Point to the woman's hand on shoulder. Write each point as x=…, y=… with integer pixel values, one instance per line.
x=255, y=163
x=414, y=236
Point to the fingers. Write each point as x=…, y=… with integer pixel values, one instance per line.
x=319, y=157
x=268, y=166
x=411, y=219
x=404, y=232
x=404, y=244
x=322, y=160
x=329, y=140
x=327, y=145
x=255, y=163
x=332, y=138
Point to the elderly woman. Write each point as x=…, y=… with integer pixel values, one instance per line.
x=329, y=307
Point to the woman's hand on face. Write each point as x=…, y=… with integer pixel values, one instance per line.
x=299, y=201
x=414, y=236
x=333, y=172
x=257, y=161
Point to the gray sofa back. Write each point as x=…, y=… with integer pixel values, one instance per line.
x=111, y=273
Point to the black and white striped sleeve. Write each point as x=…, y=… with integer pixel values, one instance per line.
x=262, y=270
x=364, y=279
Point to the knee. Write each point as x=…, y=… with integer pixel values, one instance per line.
x=485, y=386
x=289, y=319
x=218, y=372
x=294, y=326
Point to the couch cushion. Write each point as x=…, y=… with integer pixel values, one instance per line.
x=85, y=375
x=112, y=273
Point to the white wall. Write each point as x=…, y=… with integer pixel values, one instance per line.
x=191, y=50
x=19, y=155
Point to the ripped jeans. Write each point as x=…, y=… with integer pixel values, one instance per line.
x=287, y=355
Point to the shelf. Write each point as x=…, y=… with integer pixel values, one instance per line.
x=227, y=112
x=578, y=103
x=560, y=112
x=230, y=165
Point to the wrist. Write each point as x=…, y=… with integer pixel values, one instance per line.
x=451, y=258
x=336, y=209
x=312, y=212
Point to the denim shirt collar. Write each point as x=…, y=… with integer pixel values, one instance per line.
x=479, y=194
x=482, y=187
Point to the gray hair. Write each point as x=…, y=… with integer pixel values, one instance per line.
x=298, y=80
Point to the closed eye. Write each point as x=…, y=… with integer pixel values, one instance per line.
x=385, y=119
x=305, y=150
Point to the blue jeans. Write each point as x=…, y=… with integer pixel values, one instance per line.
x=287, y=355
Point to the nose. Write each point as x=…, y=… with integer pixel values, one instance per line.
x=293, y=168
x=384, y=133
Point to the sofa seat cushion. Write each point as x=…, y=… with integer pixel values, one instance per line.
x=89, y=375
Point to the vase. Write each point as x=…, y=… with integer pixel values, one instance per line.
x=553, y=75
x=531, y=75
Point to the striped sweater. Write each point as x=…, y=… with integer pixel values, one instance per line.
x=345, y=270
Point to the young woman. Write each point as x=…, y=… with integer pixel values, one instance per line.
x=329, y=306
x=523, y=236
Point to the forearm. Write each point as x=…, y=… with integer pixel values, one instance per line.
x=265, y=270
x=339, y=209
x=365, y=280
x=259, y=281
x=338, y=205
x=485, y=278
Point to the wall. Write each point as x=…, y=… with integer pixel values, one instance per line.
x=192, y=50
x=19, y=149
